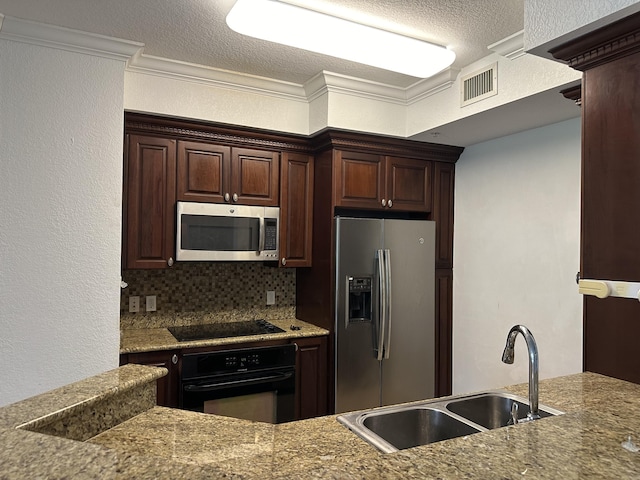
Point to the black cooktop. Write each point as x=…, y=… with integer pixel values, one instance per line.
x=223, y=330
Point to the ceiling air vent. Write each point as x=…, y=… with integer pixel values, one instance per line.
x=479, y=85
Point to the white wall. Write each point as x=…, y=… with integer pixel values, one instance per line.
x=190, y=98
x=516, y=254
x=61, y=127
x=548, y=23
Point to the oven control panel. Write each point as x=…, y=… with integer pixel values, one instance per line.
x=242, y=360
x=207, y=364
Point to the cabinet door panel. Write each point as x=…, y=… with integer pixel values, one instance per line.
x=255, y=176
x=443, y=192
x=444, y=331
x=150, y=183
x=359, y=180
x=201, y=172
x=296, y=210
x=409, y=184
x=311, y=377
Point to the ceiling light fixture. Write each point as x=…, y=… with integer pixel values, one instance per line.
x=298, y=27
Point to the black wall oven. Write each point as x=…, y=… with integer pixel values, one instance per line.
x=253, y=383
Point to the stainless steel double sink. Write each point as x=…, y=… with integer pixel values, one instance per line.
x=398, y=427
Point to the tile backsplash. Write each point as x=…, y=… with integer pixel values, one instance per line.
x=214, y=291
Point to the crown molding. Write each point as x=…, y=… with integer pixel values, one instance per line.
x=601, y=46
x=330, y=82
x=51, y=36
x=510, y=47
x=216, y=77
x=431, y=86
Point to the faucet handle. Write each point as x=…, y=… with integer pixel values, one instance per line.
x=514, y=413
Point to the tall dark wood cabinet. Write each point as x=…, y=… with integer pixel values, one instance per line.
x=610, y=218
x=443, y=194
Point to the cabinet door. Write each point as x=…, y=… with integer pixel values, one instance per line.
x=296, y=210
x=311, y=377
x=443, y=213
x=169, y=384
x=359, y=180
x=254, y=177
x=201, y=172
x=444, y=331
x=408, y=184
x=150, y=183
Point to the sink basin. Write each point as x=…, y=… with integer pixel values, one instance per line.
x=397, y=427
x=411, y=427
x=491, y=410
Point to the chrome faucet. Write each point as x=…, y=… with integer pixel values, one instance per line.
x=507, y=357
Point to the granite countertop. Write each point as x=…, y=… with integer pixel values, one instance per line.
x=584, y=442
x=154, y=339
x=160, y=442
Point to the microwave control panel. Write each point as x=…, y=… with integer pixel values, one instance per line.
x=270, y=234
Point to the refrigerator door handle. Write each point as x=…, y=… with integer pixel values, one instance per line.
x=382, y=313
x=387, y=276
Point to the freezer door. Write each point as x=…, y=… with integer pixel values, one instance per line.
x=357, y=375
x=409, y=371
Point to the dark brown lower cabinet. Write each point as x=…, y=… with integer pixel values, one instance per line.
x=311, y=374
x=311, y=377
x=167, y=385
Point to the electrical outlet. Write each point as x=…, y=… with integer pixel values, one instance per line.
x=271, y=297
x=134, y=304
x=151, y=303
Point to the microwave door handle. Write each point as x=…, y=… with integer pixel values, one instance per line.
x=382, y=313
x=387, y=335
x=262, y=233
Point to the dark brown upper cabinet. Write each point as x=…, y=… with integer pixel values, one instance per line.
x=370, y=181
x=408, y=184
x=296, y=209
x=201, y=169
x=149, y=202
x=222, y=174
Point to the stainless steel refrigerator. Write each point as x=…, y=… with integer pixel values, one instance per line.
x=384, y=317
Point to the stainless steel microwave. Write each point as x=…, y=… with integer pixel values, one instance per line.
x=222, y=232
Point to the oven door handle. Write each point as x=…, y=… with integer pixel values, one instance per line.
x=237, y=383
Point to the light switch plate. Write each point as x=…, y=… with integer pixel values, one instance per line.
x=271, y=297
x=151, y=303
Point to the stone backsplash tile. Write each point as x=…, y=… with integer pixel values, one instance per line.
x=191, y=290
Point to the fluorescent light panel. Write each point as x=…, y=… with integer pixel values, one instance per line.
x=301, y=28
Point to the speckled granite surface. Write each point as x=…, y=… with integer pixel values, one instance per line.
x=164, y=443
x=94, y=393
x=174, y=319
x=151, y=339
x=583, y=443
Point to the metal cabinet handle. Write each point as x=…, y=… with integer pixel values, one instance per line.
x=170, y=262
x=283, y=261
x=226, y=197
x=174, y=359
x=390, y=204
x=235, y=197
x=384, y=202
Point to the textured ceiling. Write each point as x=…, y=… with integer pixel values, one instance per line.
x=195, y=31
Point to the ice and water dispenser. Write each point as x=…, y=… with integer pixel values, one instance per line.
x=358, y=299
